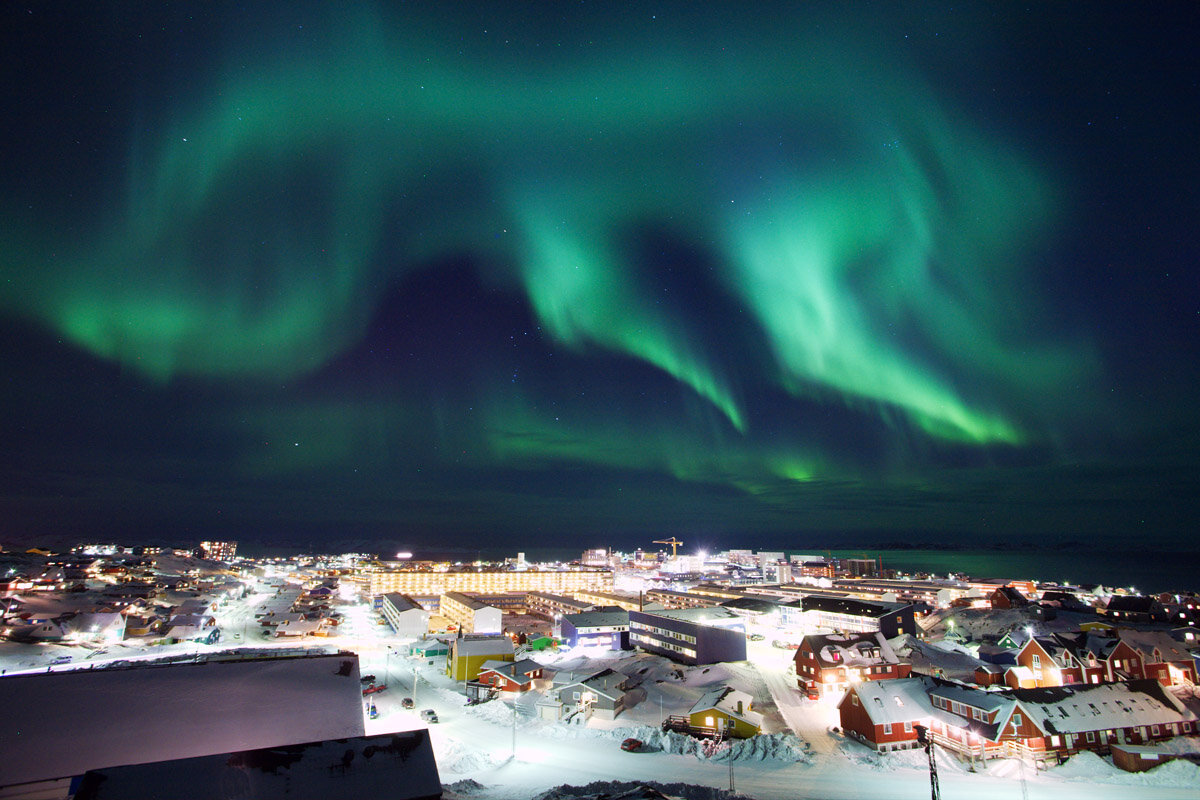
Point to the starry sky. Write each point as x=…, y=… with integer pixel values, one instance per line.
x=433, y=273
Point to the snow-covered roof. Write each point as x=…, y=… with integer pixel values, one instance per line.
x=511, y=669
x=174, y=711
x=898, y=701
x=727, y=700
x=854, y=650
x=1147, y=642
x=715, y=616
x=597, y=619
x=976, y=698
x=607, y=682
x=483, y=645
x=1021, y=673
x=1091, y=707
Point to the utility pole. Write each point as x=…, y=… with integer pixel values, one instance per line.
x=924, y=738
x=729, y=752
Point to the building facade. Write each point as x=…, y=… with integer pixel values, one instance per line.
x=469, y=614
x=404, y=615
x=690, y=635
x=419, y=583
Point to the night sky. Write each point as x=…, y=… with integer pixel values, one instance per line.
x=592, y=274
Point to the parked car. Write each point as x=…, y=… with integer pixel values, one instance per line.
x=781, y=644
x=367, y=679
x=631, y=745
x=755, y=637
x=429, y=715
x=61, y=660
x=406, y=702
x=374, y=689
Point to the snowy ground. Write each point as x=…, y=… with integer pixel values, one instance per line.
x=500, y=750
x=475, y=745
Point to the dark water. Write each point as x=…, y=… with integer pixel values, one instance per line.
x=1111, y=560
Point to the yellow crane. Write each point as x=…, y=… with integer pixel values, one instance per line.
x=673, y=542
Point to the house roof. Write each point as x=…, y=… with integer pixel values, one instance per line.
x=852, y=650
x=707, y=615
x=1086, y=644
x=1137, y=604
x=176, y=711
x=1090, y=707
x=898, y=701
x=483, y=645
x=607, y=682
x=1147, y=642
x=402, y=602
x=851, y=607
x=597, y=619
x=726, y=699
x=1052, y=646
x=516, y=670
x=754, y=604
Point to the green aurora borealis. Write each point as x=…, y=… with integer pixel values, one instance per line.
x=462, y=269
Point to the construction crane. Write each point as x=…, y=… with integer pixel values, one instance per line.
x=673, y=542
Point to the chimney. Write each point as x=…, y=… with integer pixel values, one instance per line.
x=739, y=706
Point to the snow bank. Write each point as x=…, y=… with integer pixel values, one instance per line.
x=455, y=758
x=1087, y=767
x=630, y=790
x=464, y=788
x=778, y=747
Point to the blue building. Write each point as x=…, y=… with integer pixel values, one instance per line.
x=690, y=635
x=605, y=628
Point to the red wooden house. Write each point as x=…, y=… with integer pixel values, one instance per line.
x=1007, y=597
x=1162, y=658
x=832, y=663
x=884, y=714
x=1044, y=723
x=510, y=676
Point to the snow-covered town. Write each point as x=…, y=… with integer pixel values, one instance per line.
x=169, y=673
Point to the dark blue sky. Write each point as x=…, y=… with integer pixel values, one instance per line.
x=423, y=273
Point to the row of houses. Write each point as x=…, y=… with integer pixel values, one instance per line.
x=1043, y=723
x=1064, y=659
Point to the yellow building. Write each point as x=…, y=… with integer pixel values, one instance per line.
x=468, y=654
x=727, y=710
x=433, y=583
x=629, y=602
x=469, y=614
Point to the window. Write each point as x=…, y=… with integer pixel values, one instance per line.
x=887, y=729
x=1016, y=721
x=1154, y=730
x=1091, y=737
x=908, y=727
x=574, y=695
x=1037, y=661
x=854, y=699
